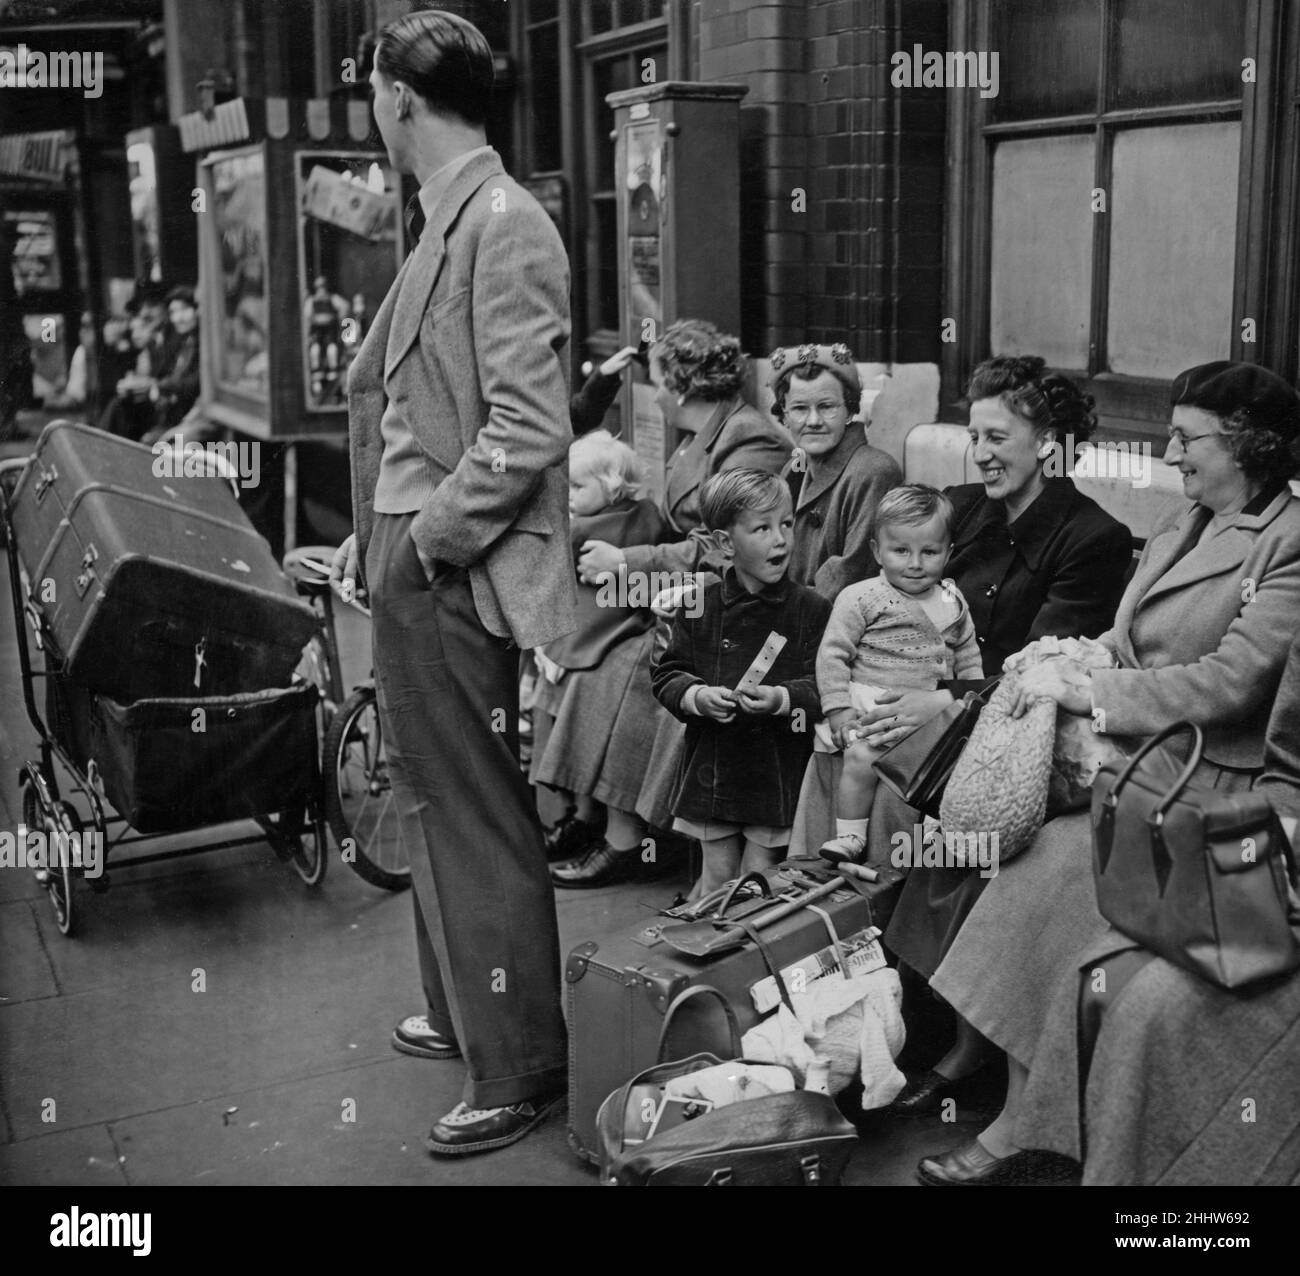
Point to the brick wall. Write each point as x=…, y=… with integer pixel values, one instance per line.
x=862, y=259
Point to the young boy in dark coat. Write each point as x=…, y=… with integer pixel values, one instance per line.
x=748, y=726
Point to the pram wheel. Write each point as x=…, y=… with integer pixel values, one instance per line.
x=299, y=838
x=358, y=796
x=56, y=877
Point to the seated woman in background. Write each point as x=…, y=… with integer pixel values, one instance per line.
x=698, y=374
x=1193, y=643
x=836, y=477
x=1174, y=1058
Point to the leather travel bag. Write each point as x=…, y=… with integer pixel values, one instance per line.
x=792, y=1139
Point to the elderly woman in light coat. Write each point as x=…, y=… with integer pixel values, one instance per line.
x=1150, y=1117
x=1201, y=634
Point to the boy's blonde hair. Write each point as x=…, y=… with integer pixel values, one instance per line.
x=610, y=462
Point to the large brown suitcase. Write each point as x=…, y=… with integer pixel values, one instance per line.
x=151, y=584
x=617, y=990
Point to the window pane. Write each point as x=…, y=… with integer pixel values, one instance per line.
x=1047, y=57
x=600, y=14
x=607, y=267
x=611, y=76
x=540, y=10
x=1042, y=249
x=544, y=70
x=1173, y=235
x=1179, y=51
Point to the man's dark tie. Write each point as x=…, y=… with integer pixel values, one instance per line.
x=414, y=222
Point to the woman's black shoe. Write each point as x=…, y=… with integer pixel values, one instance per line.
x=571, y=837
x=923, y=1095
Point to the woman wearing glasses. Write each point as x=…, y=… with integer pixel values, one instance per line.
x=1201, y=634
x=836, y=477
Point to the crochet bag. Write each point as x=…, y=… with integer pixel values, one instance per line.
x=998, y=788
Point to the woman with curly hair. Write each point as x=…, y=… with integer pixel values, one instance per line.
x=1201, y=635
x=698, y=373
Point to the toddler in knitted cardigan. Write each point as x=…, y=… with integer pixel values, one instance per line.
x=906, y=629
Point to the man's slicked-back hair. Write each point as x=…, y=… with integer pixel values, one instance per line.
x=443, y=58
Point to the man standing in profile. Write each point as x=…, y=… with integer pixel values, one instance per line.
x=458, y=402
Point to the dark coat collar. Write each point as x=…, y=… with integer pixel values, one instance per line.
x=1054, y=505
x=829, y=468
x=734, y=592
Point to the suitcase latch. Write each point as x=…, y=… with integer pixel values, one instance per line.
x=87, y=573
x=46, y=480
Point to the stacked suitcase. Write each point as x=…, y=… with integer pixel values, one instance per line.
x=174, y=634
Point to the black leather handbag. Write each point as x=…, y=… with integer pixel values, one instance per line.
x=1203, y=878
x=919, y=767
x=796, y=1139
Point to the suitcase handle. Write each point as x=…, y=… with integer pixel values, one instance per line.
x=736, y=888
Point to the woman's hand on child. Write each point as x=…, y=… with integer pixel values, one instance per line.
x=898, y=713
x=596, y=558
x=718, y=703
x=759, y=699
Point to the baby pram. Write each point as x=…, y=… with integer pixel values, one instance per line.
x=169, y=637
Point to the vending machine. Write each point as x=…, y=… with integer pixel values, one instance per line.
x=677, y=162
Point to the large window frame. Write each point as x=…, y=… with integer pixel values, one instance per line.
x=1265, y=259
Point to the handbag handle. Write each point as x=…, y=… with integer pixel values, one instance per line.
x=689, y=994
x=1157, y=816
x=736, y=888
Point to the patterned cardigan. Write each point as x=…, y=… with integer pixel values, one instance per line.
x=878, y=635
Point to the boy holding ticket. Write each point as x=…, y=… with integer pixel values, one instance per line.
x=741, y=675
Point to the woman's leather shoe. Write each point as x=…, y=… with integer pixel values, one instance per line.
x=973, y=1164
x=923, y=1095
x=603, y=866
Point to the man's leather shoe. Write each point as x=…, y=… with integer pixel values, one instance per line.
x=973, y=1165
x=465, y=1130
x=571, y=837
x=603, y=866
x=414, y=1036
